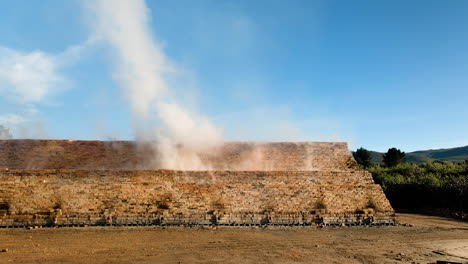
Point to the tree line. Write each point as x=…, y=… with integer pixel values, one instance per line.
x=392, y=158
x=439, y=186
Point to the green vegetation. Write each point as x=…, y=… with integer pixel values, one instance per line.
x=363, y=157
x=394, y=157
x=426, y=186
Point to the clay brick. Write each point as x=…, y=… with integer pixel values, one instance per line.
x=313, y=183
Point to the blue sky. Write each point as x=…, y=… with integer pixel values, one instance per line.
x=377, y=74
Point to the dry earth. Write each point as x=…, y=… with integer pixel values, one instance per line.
x=428, y=240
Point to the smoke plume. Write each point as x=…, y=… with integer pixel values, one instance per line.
x=5, y=133
x=142, y=70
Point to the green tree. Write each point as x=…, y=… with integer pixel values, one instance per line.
x=363, y=157
x=394, y=157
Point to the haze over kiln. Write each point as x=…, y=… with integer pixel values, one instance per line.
x=5, y=132
x=142, y=69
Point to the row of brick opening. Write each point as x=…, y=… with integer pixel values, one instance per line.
x=213, y=221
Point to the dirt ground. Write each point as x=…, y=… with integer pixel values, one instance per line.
x=428, y=240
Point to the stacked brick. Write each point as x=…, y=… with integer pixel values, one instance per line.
x=332, y=191
x=255, y=156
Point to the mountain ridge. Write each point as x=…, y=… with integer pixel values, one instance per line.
x=457, y=154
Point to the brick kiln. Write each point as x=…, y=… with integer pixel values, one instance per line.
x=63, y=183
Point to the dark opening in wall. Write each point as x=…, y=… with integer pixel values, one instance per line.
x=163, y=206
x=320, y=204
x=4, y=206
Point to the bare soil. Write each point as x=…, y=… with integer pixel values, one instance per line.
x=428, y=239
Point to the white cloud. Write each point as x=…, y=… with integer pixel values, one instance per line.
x=28, y=77
x=26, y=80
x=12, y=119
x=32, y=77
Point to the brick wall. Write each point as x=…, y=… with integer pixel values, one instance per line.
x=70, y=154
x=29, y=197
x=61, y=182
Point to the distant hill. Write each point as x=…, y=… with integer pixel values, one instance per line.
x=421, y=156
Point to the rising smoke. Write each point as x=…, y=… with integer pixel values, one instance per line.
x=142, y=70
x=5, y=133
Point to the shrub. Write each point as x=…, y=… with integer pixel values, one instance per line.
x=425, y=186
x=363, y=157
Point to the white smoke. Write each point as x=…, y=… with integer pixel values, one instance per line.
x=142, y=71
x=5, y=133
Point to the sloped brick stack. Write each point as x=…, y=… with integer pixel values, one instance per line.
x=313, y=184
x=79, y=154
